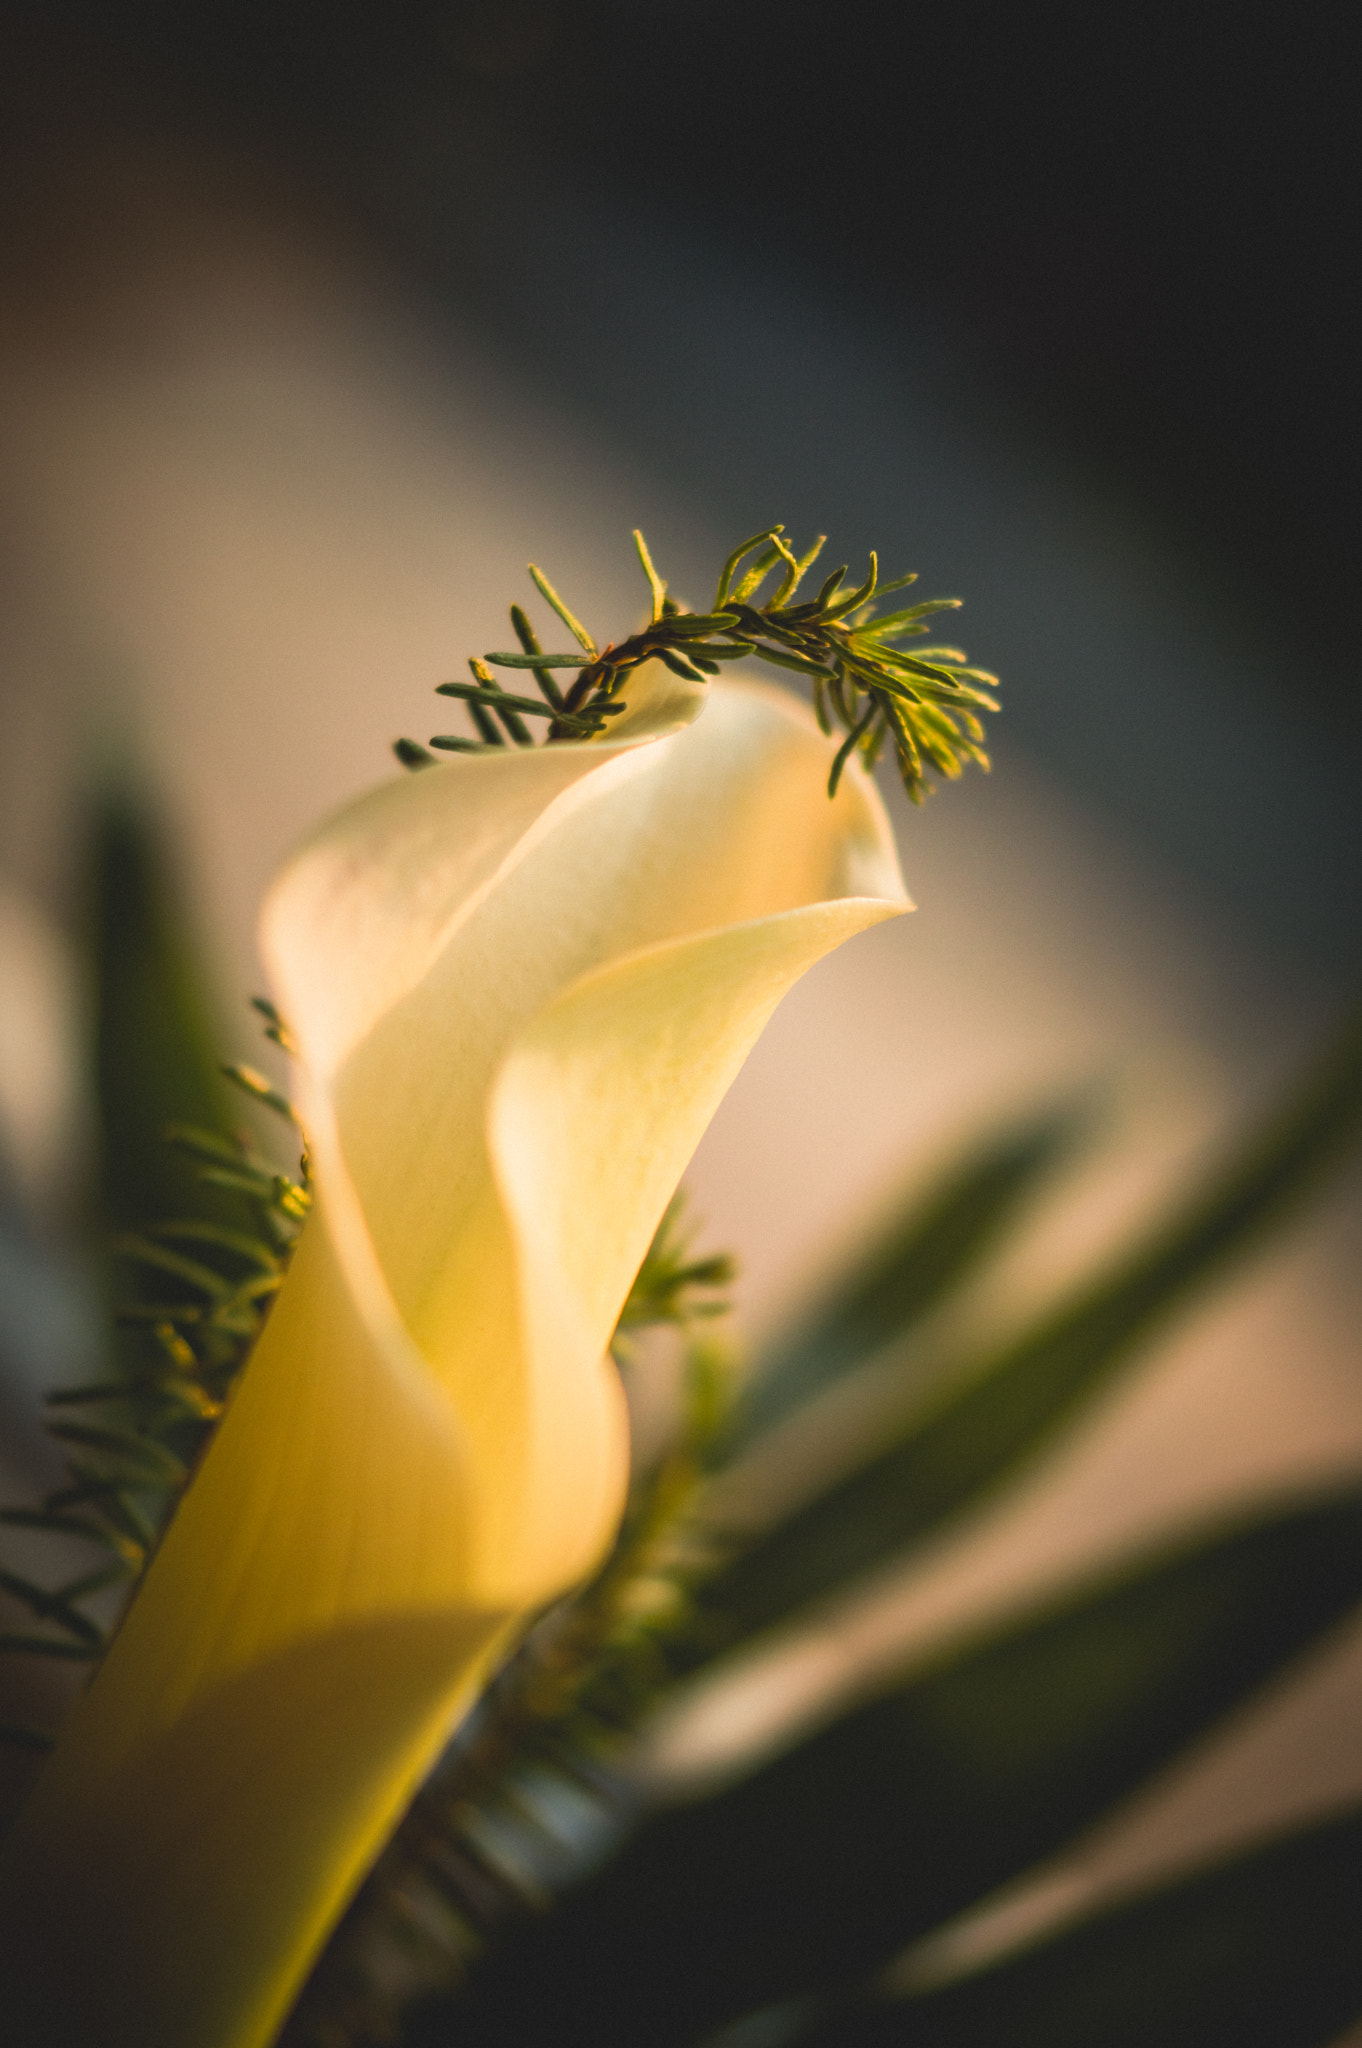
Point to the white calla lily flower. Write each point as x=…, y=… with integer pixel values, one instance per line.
x=519, y=985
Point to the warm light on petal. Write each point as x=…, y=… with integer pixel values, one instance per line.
x=520, y=984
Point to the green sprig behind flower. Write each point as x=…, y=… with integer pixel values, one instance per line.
x=131, y=1441
x=671, y=1286
x=923, y=703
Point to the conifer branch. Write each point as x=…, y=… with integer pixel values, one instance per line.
x=133, y=1440
x=921, y=702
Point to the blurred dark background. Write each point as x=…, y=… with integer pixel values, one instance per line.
x=1139, y=224
x=744, y=238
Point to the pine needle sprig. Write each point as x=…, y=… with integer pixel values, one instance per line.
x=922, y=703
x=670, y=1286
x=131, y=1440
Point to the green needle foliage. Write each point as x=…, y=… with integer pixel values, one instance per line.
x=671, y=1286
x=192, y=1282
x=922, y=702
x=131, y=1440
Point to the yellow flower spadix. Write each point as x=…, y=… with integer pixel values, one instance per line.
x=519, y=984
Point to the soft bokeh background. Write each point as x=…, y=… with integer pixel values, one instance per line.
x=318, y=322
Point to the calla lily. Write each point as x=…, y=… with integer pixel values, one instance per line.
x=519, y=984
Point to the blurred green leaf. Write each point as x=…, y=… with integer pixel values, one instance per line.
x=990, y=1422
x=155, y=1046
x=827, y=1861
x=1262, y=1952
x=919, y=1259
